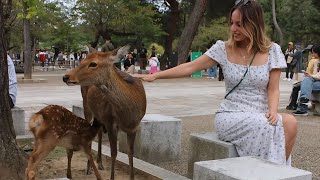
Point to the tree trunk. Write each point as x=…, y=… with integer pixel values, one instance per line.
x=274, y=18
x=27, y=43
x=190, y=30
x=171, y=29
x=12, y=162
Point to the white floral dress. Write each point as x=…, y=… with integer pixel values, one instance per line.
x=241, y=118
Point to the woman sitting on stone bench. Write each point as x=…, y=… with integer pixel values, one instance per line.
x=313, y=68
x=309, y=84
x=248, y=116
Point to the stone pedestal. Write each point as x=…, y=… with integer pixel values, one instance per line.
x=158, y=139
x=78, y=110
x=18, y=118
x=247, y=168
x=207, y=146
x=315, y=97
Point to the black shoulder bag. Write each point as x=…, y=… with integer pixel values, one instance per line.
x=244, y=75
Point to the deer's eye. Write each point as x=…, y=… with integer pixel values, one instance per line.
x=93, y=64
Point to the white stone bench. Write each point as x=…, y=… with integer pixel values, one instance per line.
x=207, y=146
x=18, y=118
x=158, y=139
x=247, y=168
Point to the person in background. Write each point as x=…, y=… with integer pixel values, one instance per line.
x=248, y=116
x=289, y=59
x=212, y=72
x=153, y=62
x=309, y=84
x=128, y=64
x=12, y=83
x=143, y=57
x=108, y=46
x=153, y=51
x=311, y=69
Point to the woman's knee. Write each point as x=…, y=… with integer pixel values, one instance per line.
x=290, y=124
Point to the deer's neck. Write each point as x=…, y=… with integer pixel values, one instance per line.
x=115, y=89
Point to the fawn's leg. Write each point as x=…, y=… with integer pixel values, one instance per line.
x=130, y=141
x=44, y=148
x=69, y=154
x=87, y=150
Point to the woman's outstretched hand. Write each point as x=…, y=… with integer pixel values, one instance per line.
x=145, y=77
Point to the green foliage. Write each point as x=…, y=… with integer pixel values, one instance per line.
x=33, y=8
x=119, y=18
x=299, y=20
x=207, y=35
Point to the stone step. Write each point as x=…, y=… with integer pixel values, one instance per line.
x=247, y=168
x=207, y=146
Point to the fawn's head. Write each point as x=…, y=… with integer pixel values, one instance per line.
x=91, y=69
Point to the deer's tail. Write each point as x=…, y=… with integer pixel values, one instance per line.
x=35, y=122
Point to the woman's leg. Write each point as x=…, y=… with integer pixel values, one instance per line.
x=290, y=132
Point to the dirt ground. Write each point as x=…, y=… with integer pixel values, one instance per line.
x=55, y=166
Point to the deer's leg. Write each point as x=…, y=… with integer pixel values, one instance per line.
x=30, y=159
x=99, y=161
x=130, y=141
x=112, y=135
x=44, y=148
x=87, y=150
x=88, y=116
x=69, y=153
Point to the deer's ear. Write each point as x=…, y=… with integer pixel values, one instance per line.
x=120, y=53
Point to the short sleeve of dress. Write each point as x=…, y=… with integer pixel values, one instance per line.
x=277, y=59
x=217, y=52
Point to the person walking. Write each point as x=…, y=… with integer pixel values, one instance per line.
x=290, y=69
x=248, y=115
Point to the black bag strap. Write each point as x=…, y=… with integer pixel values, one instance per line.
x=244, y=75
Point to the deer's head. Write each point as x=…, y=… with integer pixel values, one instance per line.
x=96, y=69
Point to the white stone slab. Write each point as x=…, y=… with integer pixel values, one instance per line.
x=247, y=168
x=158, y=139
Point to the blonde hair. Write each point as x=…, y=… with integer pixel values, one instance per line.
x=251, y=20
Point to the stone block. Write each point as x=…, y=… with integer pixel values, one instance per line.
x=78, y=110
x=207, y=146
x=18, y=117
x=316, y=102
x=247, y=168
x=158, y=139
x=142, y=71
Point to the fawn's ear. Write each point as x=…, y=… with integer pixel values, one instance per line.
x=120, y=53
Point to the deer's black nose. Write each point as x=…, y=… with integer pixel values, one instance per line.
x=65, y=78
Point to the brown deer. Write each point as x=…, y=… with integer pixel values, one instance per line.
x=57, y=126
x=114, y=98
